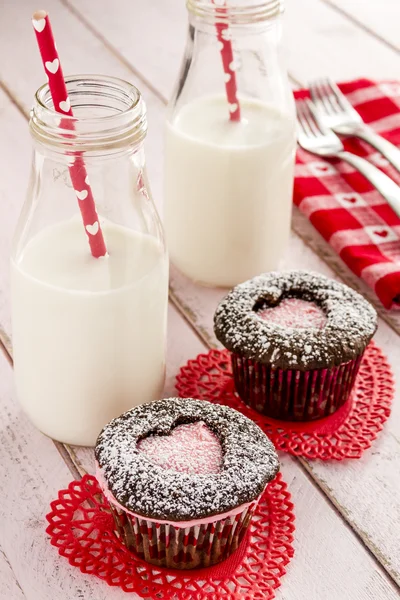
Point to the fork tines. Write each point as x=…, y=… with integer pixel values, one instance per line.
x=329, y=99
x=306, y=119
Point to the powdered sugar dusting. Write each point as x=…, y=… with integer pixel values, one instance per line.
x=294, y=313
x=350, y=322
x=249, y=461
x=190, y=448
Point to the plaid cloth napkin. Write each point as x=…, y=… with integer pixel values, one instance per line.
x=344, y=207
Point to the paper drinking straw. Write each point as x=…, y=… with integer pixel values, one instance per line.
x=61, y=101
x=228, y=62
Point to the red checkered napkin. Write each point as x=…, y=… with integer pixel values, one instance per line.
x=344, y=207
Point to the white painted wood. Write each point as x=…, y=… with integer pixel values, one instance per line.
x=318, y=526
x=80, y=52
x=168, y=18
x=318, y=40
x=323, y=543
x=321, y=41
x=9, y=586
x=354, y=486
x=157, y=54
x=381, y=18
x=309, y=25
x=31, y=472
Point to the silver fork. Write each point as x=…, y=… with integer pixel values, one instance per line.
x=336, y=112
x=314, y=137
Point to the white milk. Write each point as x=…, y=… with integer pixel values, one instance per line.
x=228, y=190
x=88, y=335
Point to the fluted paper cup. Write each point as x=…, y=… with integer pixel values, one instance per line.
x=293, y=395
x=201, y=544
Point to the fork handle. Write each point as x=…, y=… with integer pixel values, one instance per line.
x=387, y=149
x=386, y=186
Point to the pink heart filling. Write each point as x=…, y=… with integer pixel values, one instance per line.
x=294, y=313
x=190, y=448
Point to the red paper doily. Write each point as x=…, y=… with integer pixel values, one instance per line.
x=82, y=529
x=345, y=434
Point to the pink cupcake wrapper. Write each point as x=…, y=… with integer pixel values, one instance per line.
x=191, y=547
x=293, y=395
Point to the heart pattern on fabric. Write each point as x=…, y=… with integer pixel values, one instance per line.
x=81, y=195
x=52, y=66
x=220, y=46
x=227, y=77
x=350, y=199
x=87, y=180
x=39, y=24
x=93, y=229
x=381, y=234
x=319, y=169
x=233, y=107
x=65, y=105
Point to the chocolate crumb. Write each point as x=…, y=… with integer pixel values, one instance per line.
x=249, y=461
x=350, y=322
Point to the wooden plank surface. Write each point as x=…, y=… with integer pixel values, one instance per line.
x=321, y=41
x=317, y=524
x=324, y=543
x=199, y=303
x=377, y=523
x=35, y=471
x=149, y=63
x=87, y=54
x=318, y=39
x=321, y=536
x=380, y=19
x=9, y=586
x=31, y=472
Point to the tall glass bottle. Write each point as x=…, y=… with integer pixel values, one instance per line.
x=230, y=144
x=88, y=333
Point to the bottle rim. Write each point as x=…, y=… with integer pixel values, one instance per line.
x=109, y=114
x=217, y=11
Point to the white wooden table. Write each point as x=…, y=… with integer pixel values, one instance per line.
x=348, y=514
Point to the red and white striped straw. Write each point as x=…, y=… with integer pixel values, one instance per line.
x=61, y=101
x=228, y=62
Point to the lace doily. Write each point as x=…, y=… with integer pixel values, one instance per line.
x=82, y=529
x=345, y=434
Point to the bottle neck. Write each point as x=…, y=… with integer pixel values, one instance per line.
x=233, y=12
x=235, y=61
x=109, y=117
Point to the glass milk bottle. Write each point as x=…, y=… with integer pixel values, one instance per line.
x=230, y=145
x=88, y=333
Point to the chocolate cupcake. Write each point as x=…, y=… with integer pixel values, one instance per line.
x=297, y=340
x=183, y=478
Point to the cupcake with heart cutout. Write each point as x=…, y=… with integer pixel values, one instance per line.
x=183, y=478
x=296, y=340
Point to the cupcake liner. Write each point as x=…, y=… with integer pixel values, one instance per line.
x=200, y=545
x=293, y=395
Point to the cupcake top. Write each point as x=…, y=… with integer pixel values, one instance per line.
x=295, y=320
x=183, y=459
